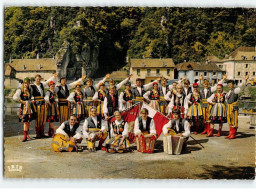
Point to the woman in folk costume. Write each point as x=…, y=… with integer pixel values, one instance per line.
x=163, y=89
x=39, y=102
x=62, y=91
x=172, y=91
x=89, y=92
x=178, y=101
x=27, y=111
x=232, y=106
x=77, y=97
x=153, y=96
x=218, y=112
x=110, y=104
x=126, y=97
x=52, y=111
x=118, y=133
x=195, y=113
x=100, y=96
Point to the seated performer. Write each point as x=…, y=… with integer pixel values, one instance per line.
x=110, y=104
x=177, y=126
x=153, y=96
x=27, y=111
x=95, y=129
x=232, y=106
x=125, y=98
x=52, y=111
x=100, y=96
x=118, y=133
x=218, y=112
x=72, y=132
x=144, y=129
x=77, y=97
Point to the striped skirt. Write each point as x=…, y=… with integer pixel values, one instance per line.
x=113, y=143
x=64, y=110
x=79, y=111
x=52, y=113
x=218, y=113
x=89, y=103
x=155, y=104
x=195, y=113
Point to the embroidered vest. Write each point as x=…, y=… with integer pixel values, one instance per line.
x=147, y=124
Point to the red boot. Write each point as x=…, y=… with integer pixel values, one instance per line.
x=218, y=134
x=210, y=133
x=42, y=131
x=28, y=138
x=233, y=133
x=206, y=128
x=229, y=133
x=25, y=136
x=38, y=133
x=143, y=144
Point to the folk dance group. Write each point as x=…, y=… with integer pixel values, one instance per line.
x=182, y=103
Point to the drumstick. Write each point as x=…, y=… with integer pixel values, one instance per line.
x=196, y=141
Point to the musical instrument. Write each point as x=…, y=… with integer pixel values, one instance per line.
x=145, y=143
x=173, y=144
x=60, y=144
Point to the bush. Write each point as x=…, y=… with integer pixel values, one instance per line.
x=7, y=91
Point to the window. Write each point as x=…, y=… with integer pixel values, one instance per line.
x=253, y=74
x=239, y=73
x=148, y=71
x=168, y=71
x=157, y=71
x=220, y=66
x=246, y=65
x=138, y=71
x=243, y=57
x=214, y=73
x=196, y=73
x=253, y=57
x=246, y=73
x=205, y=73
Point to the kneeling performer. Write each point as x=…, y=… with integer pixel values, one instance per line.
x=144, y=129
x=176, y=131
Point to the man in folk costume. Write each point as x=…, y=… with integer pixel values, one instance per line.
x=39, y=102
x=52, y=111
x=139, y=90
x=195, y=113
x=126, y=98
x=95, y=129
x=110, y=104
x=27, y=111
x=77, y=98
x=62, y=91
x=177, y=126
x=173, y=90
x=187, y=87
x=232, y=107
x=163, y=89
x=153, y=96
x=205, y=93
x=178, y=101
x=119, y=85
x=118, y=141
x=89, y=92
x=100, y=96
x=218, y=112
x=145, y=126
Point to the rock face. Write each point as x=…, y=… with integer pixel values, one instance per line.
x=72, y=65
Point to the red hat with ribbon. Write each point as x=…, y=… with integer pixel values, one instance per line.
x=195, y=85
x=51, y=83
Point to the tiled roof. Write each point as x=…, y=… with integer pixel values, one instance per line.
x=242, y=52
x=152, y=63
x=7, y=70
x=199, y=66
x=119, y=75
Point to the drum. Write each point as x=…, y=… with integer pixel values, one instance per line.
x=60, y=144
x=173, y=144
x=145, y=143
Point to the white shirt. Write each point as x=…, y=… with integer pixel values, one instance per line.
x=146, y=87
x=47, y=97
x=171, y=104
x=105, y=106
x=186, y=128
x=125, y=131
x=236, y=90
x=71, y=97
x=60, y=130
x=16, y=96
x=69, y=86
x=151, y=127
x=95, y=120
x=45, y=84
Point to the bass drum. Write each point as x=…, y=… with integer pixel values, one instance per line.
x=59, y=144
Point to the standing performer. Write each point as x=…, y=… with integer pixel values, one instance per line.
x=118, y=86
x=89, y=92
x=144, y=129
x=94, y=129
x=100, y=96
x=218, y=112
x=179, y=102
x=77, y=97
x=52, y=111
x=62, y=90
x=187, y=87
x=27, y=111
x=110, y=104
x=153, y=96
x=125, y=98
x=173, y=90
x=164, y=89
x=119, y=134
x=39, y=102
x=195, y=113
x=232, y=107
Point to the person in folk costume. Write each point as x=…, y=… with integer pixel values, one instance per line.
x=126, y=98
x=119, y=85
x=187, y=88
x=100, y=96
x=77, y=98
x=172, y=91
x=205, y=93
x=118, y=141
x=95, y=129
x=164, y=89
x=52, y=111
x=195, y=113
x=178, y=101
x=110, y=104
x=232, y=106
x=179, y=125
x=27, y=111
x=153, y=96
x=71, y=130
x=89, y=92
x=218, y=112
x=62, y=91
x=139, y=90
x=39, y=102
x=145, y=125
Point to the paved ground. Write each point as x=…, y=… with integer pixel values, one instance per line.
x=220, y=159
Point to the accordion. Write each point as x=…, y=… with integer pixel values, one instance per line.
x=145, y=143
x=173, y=144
